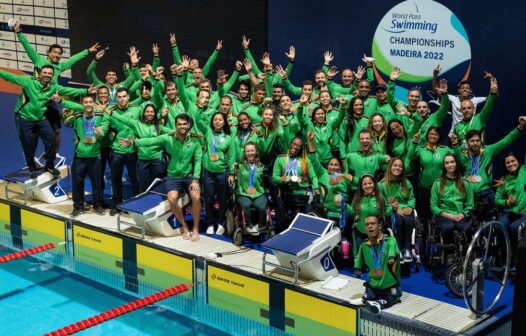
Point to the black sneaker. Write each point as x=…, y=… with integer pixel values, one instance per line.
x=114, y=211
x=53, y=171
x=373, y=306
x=33, y=173
x=86, y=207
x=99, y=210
x=75, y=212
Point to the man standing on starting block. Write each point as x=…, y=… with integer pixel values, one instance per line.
x=380, y=253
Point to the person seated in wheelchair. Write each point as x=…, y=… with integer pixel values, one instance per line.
x=398, y=192
x=249, y=189
x=368, y=201
x=337, y=184
x=295, y=175
x=379, y=253
x=508, y=193
x=451, y=199
x=477, y=163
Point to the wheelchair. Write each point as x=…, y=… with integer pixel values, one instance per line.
x=308, y=203
x=236, y=224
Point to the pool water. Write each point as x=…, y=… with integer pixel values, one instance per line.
x=36, y=298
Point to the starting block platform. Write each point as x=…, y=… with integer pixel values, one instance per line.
x=304, y=248
x=151, y=212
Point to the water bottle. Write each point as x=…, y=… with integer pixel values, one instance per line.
x=345, y=249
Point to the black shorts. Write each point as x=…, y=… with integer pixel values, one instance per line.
x=178, y=184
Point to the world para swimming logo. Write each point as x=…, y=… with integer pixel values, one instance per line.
x=416, y=36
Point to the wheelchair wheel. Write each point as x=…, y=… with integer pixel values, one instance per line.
x=455, y=279
x=230, y=223
x=238, y=237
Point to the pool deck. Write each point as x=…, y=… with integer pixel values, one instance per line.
x=413, y=307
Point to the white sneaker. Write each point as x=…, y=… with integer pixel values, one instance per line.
x=407, y=256
x=374, y=307
x=357, y=302
x=220, y=229
x=210, y=230
x=253, y=231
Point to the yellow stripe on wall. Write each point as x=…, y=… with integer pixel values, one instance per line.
x=41, y=223
x=239, y=285
x=322, y=311
x=98, y=241
x=164, y=261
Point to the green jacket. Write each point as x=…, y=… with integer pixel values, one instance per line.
x=305, y=171
x=127, y=83
x=430, y=161
x=267, y=141
x=369, y=207
x=240, y=139
x=434, y=120
x=341, y=189
x=506, y=188
x=86, y=149
x=358, y=164
x=104, y=141
x=484, y=160
x=324, y=132
x=143, y=130
x=118, y=130
x=290, y=130
x=243, y=180
x=520, y=192
x=478, y=122
x=173, y=109
x=391, y=272
x=451, y=200
x=395, y=192
x=206, y=69
x=39, y=61
x=185, y=157
x=350, y=141
x=32, y=102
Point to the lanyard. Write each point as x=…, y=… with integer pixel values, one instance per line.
x=474, y=165
x=292, y=167
x=251, y=174
x=113, y=95
x=89, y=127
x=244, y=136
x=377, y=257
x=215, y=141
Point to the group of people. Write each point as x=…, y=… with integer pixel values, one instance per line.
x=368, y=159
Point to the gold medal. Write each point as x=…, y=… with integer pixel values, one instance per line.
x=88, y=140
x=377, y=272
x=214, y=157
x=251, y=190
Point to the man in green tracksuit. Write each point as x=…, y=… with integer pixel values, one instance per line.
x=30, y=114
x=121, y=155
x=184, y=169
x=54, y=54
x=87, y=126
x=380, y=253
x=111, y=76
x=171, y=106
x=478, y=122
x=364, y=161
x=477, y=162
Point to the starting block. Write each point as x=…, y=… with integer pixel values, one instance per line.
x=151, y=212
x=45, y=187
x=304, y=248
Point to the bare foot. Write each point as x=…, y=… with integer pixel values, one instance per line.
x=195, y=236
x=186, y=235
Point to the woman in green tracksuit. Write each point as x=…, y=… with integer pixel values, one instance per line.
x=269, y=132
x=337, y=183
x=398, y=192
x=250, y=190
x=351, y=126
x=506, y=198
x=326, y=131
x=397, y=142
x=368, y=201
x=451, y=199
x=430, y=159
x=149, y=164
x=243, y=134
x=378, y=129
x=218, y=163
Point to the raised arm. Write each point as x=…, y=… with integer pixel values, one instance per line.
x=212, y=58
x=245, y=43
x=175, y=50
x=488, y=106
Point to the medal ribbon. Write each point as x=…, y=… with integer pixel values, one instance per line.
x=474, y=165
x=251, y=174
x=292, y=167
x=377, y=257
x=215, y=141
x=89, y=127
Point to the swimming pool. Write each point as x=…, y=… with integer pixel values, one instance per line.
x=37, y=297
